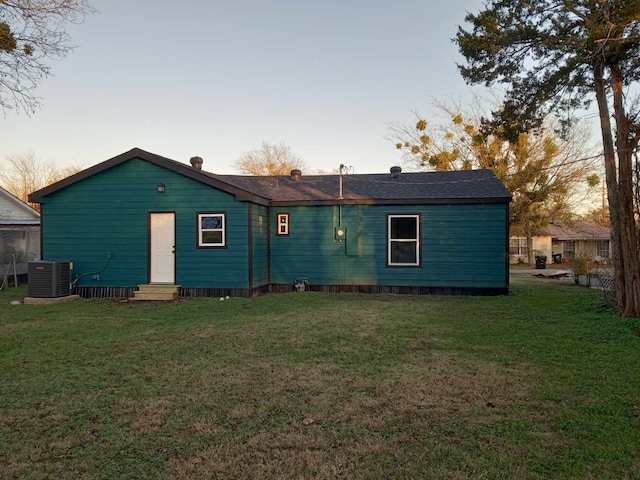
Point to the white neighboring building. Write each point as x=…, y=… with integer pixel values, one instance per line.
x=561, y=241
x=19, y=233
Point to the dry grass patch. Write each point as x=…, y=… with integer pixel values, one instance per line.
x=146, y=416
x=316, y=421
x=446, y=386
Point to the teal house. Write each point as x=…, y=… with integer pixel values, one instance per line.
x=140, y=219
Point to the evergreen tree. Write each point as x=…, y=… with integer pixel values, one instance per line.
x=558, y=55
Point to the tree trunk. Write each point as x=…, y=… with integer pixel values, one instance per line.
x=625, y=145
x=620, y=194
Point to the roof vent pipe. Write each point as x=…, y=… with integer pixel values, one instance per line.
x=296, y=174
x=196, y=162
x=395, y=172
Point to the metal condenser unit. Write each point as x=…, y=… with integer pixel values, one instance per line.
x=49, y=279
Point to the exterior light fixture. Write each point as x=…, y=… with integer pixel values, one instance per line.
x=161, y=188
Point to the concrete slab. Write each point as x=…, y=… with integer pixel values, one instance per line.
x=49, y=301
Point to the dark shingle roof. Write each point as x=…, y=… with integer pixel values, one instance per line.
x=408, y=187
x=468, y=186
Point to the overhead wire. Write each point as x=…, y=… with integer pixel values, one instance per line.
x=442, y=182
x=522, y=172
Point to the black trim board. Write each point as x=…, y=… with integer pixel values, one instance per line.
x=127, y=292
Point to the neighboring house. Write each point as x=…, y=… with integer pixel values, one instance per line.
x=564, y=241
x=580, y=239
x=140, y=218
x=19, y=234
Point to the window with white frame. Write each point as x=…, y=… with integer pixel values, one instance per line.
x=282, y=224
x=518, y=246
x=403, y=240
x=569, y=249
x=602, y=249
x=211, y=230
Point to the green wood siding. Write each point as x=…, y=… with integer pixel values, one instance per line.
x=462, y=246
x=108, y=213
x=259, y=245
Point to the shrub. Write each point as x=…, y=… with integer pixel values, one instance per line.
x=582, y=264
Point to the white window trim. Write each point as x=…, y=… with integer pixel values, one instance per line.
x=521, y=246
x=569, y=252
x=390, y=240
x=280, y=223
x=223, y=216
x=603, y=247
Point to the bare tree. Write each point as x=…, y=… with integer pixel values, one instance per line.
x=269, y=160
x=26, y=173
x=31, y=33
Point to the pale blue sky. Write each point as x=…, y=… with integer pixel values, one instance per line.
x=217, y=78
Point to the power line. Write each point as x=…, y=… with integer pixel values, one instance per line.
x=522, y=172
x=471, y=180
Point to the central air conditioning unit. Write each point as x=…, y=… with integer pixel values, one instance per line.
x=49, y=279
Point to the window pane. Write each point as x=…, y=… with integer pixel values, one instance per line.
x=210, y=237
x=404, y=228
x=518, y=246
x=603, y=249
x=514, y=246
x=404, y=252
x=212, y=222
x=569, y=249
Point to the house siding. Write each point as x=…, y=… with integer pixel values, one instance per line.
x=108, y=213
x=462, y=245
x=259, y=246
x=12, y=211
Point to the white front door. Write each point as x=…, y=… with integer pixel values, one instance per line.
x=162, y=250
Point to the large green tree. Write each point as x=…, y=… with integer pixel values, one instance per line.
x=545, y=174
x=32, y=32
x=558, y=55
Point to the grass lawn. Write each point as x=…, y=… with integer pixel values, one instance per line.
x=543, y=383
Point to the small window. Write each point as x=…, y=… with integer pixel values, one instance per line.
x=569, y=249
x=282, y=227
x=602, y=249
x=403, y=240
x=518, y=246
x=211, y=230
